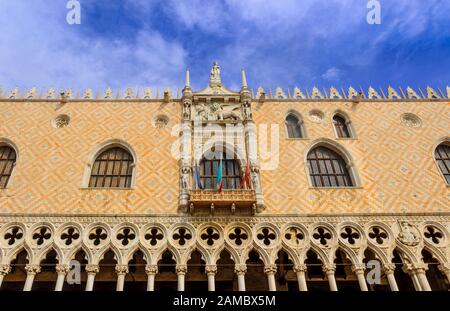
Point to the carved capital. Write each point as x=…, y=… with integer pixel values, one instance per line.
x=389, y=268
x=240, y=269
x=62, y=269
x=121, y=269
x=270, y=269
x=151, y=269
x=181, y=269
x=92, y=269
x=329, y=268
x=358, y=268
x=5, y=269
x=32, y=269
x=211, y=269
x=300, y=268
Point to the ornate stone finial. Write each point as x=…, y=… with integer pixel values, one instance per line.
x=279, y=93
x=448, y=91
x=372, y=94
x=68, y=93
x=167, y=95
x=14, y=94
x=244, y=79
x=128, y=93
x=431, y=93
x=411, y=93
x=260, y=93
x=315, y=93
x=352, y=93
x=88, y=94
x=215, y=75
x=392, y=93
x=298, y=94
x=334, y=93
x=147, y=93
x=32, y=93
x=108, y=94
x=188, y=80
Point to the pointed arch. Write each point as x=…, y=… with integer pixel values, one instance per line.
x=342, y=125
x=328, y=164
x=294, y=125
x=8, y=160
x=441, y=156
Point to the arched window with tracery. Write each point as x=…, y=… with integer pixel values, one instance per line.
x=442, y=156
x=231, y=172
x=113, y=168
x=328, y=169
x=7, y=162
x=341, y=126
x=294, y=126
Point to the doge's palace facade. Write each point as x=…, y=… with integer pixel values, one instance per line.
x=290, y=189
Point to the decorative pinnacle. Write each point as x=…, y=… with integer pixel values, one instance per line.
x=188, y=82
x=244, y=79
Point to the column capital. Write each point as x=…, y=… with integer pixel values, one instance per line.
x=62, y=269
x=211, y=269
x=270, y=269
x=358, y=268
x=329, y=268
x=444, y=268
x=151, y=269
x=92, y=269
x=300, y=268
x=121, y=269
x=420, y=267
x=181, y=269
x=389, y=268
x=240, y=269
x=32, y=269
x=5, y=269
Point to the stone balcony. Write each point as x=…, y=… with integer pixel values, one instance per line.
x=236, y=201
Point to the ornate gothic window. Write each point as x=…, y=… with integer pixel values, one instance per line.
x=442, y=155
x=7, y=162
x=231, y=173
x=113, y=168
x=328, y=169
x=342, y=129
x=294, y=126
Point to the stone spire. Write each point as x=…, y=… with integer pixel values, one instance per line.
x=244, y=79
x=188, y=82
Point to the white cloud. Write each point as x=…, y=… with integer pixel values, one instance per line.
x=332, y=74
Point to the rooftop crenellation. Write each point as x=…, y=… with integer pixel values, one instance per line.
x=260, y=93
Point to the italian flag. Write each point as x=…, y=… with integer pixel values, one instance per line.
x=219, y=176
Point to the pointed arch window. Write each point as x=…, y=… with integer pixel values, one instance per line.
x=328, y=169
x=442, y=156
x=7, y=162
x=294, y=126
x=113, y=168
x=342, y=127
x=231, y=173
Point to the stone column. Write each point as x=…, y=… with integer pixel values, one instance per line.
x=389, y=271
x=240, y=271
x=181, y=272
x=412, y=273
x=445, y=269
x=31, y=270
x=329, y=270
x=152, y=271
x=270, y=271
x=358, y=269
x=420, y=270
x=4, y=270
x=91, y=271
x=300, y=270
x=61, y=270
x=121, y=271
x=211, y=271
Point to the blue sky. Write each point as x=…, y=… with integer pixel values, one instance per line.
x=287, y=43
